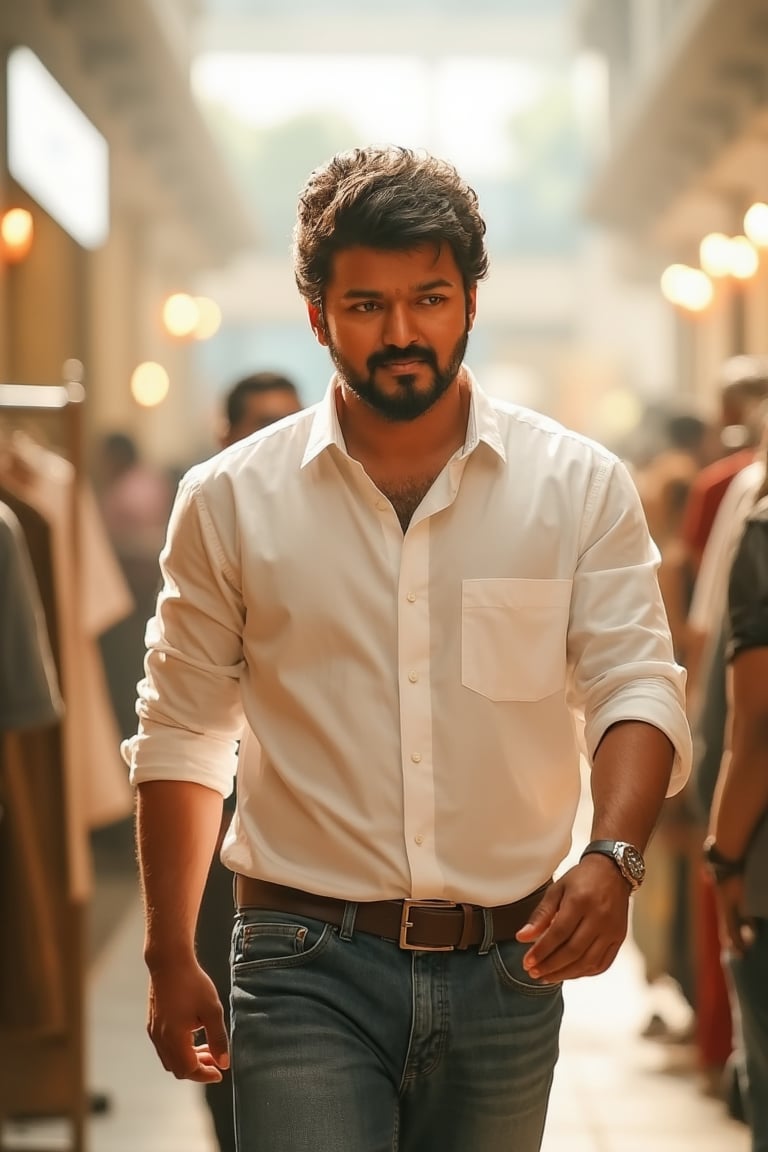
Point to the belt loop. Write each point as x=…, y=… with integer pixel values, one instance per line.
x=487, y=940
x=466, y=929
x=347, y=928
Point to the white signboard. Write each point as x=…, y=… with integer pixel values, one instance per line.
x=55, y=153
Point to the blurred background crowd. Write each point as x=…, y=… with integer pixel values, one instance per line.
x=151, y=152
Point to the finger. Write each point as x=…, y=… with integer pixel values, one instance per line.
x=568, y=929
x=542, y=916
x=191, y=1064
x=207, y=1072
x=216, y=1036
x=592, y=963
x=569, y=951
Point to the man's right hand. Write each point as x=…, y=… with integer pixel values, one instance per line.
x=182, y=1002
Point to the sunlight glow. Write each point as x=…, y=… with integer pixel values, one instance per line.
x=457, y=107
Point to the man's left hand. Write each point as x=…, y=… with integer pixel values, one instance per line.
x=580, y=923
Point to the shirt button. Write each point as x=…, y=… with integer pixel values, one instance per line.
x=381, y=505
x=411, y=597
x=419, y=840
x=413, y=676
x=416, y=757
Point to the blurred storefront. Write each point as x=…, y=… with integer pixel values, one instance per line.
x=112, y=196
x=687, y=160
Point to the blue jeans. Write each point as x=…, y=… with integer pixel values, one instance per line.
x=344, y=1042
x=750, y=977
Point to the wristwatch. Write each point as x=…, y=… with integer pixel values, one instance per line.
x=721, y=867
x=627, y=858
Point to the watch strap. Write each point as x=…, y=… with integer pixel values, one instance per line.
x=605, y=846
x=627, y=858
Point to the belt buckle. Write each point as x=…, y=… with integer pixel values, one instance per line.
x=405, y=924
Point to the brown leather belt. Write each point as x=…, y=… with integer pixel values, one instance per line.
x=424, y=925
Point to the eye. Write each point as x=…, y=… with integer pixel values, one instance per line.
x=432, y=301
x=366, y=306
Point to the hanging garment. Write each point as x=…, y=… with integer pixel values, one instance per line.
x=31, y=988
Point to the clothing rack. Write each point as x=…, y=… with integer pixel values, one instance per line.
x=42, y=1075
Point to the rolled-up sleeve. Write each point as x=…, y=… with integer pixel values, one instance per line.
x=189, y=703
x=619, y=645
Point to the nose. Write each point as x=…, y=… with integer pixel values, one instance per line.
x=399, y=325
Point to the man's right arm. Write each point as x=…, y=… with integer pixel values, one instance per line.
x=177, y=828
x=182, y=760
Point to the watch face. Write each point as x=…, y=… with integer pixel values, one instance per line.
x=633, y=862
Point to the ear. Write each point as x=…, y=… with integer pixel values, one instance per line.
x=471, y=306
x=317, y=324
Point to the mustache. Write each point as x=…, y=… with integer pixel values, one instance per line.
x=393, y=355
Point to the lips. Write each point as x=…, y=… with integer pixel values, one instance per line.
x=403, y=365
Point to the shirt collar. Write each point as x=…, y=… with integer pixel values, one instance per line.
x=482, y=424
x=325, y=429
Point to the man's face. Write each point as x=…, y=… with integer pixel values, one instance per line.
x=396, y=325
x=260, y=410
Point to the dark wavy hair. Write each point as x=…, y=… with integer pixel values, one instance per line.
x=387, y=198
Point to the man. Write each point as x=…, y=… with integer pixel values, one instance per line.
x=252, y=403
x=743, y=389
x=257, y=401
x=406, y=631
x=737, y=849
x=710, y=537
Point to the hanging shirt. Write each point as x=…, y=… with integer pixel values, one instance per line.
x=413, y=694
x=29, y=692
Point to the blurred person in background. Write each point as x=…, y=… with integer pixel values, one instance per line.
x=721, y=497
x=674, y=920
x=743, y=393
x=251, y=404
x=743, y=388
x=662, y=925
x=401, y=594
x=135, y=498
x=257, y=401
x=737, y=849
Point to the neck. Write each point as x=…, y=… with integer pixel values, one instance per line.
x=369, y=436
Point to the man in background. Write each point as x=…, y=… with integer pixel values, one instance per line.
x=256, y=401
x=251, y=404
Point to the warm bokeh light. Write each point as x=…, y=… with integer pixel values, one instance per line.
x=715, y=254
x=181, y=314
x=618, y=411
x=149, y=384
x=209, y=320
x=687, y=287
x=16, y=234
x=756, y=224
x=744, y=258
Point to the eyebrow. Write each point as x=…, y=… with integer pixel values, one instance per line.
x=371, y=294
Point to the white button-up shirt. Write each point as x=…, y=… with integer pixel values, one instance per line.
x=407, y=701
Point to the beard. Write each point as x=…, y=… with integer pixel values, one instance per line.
x=406, y=400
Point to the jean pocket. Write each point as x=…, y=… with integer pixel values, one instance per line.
x=513, y=637
x=508, y=961
x=263, y=939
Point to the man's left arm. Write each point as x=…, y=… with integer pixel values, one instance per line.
x=631, y=691
x=581, y=923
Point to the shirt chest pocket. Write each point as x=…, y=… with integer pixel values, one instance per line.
x=513, y=637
